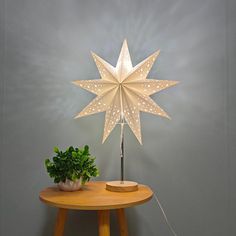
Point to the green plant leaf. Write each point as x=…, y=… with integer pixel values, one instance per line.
x=56, y=149
x=73, y=164
x=86, y=150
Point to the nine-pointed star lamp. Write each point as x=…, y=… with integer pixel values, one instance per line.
x=122, y=92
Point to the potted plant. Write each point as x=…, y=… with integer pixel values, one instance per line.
x=72, y=168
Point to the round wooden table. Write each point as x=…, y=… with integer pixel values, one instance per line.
x=94, y=196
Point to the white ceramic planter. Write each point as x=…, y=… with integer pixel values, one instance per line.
x=69, y=185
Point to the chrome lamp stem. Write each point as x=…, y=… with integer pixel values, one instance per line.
x=122, y=150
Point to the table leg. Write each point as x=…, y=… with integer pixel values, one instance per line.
x=122, y=222
x=60, y=222
x=104, y=222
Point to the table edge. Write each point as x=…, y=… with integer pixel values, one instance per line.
x=92, y=207
x=75, y=207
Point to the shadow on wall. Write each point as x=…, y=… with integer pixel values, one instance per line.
x=77, y=221
x=49, y=220
x=143, y=227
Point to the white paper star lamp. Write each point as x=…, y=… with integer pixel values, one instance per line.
x=122, y=92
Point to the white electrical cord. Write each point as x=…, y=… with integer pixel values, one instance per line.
x=164, y=215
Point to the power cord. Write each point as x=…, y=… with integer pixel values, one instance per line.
x=164, y=215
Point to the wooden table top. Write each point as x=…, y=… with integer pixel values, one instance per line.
x=94, y=196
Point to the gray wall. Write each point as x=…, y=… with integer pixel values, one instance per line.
x=188, y=161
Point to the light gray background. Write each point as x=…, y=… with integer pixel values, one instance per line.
x=188, y=161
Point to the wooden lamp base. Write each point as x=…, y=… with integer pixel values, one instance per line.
x=121, y=186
